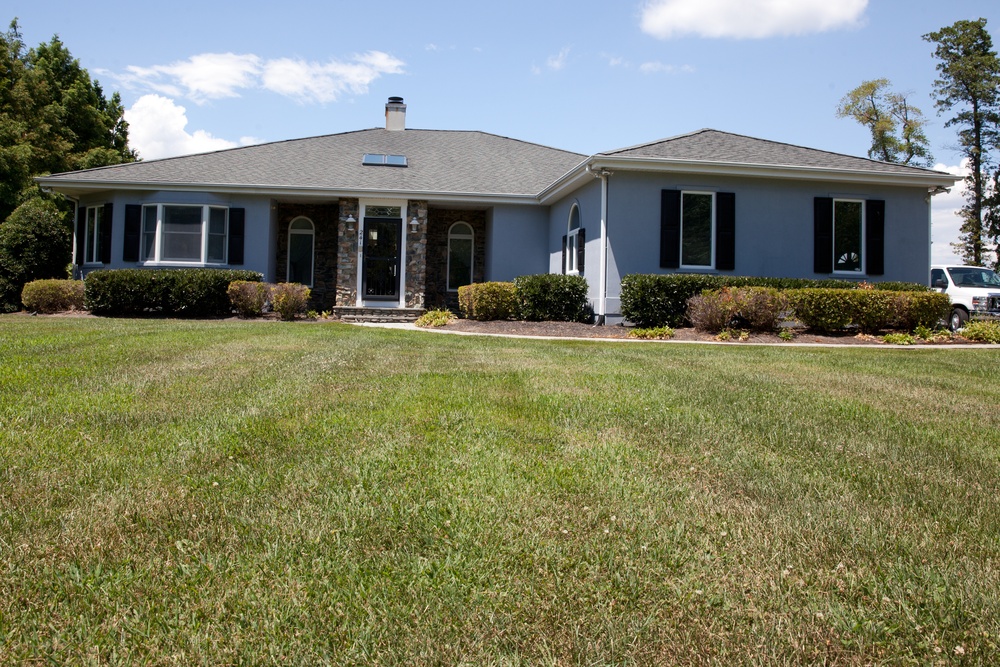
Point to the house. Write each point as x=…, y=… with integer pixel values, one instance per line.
x=401, y=218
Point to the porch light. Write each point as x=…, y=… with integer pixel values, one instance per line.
x=350, y=222
x=414, y=224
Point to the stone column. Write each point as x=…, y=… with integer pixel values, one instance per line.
x=416, y=254
x=347, y=253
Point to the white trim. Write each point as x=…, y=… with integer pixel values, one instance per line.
x=602, y=288
x=312, y=237
x=92, y=237
x=711, y=249
x=572, y=241
x=471, y=236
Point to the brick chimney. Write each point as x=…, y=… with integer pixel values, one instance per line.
x=395, y=114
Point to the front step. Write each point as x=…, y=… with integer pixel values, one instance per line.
x=377, y=315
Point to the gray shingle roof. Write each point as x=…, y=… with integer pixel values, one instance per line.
x=439, y=161
x=714, y=146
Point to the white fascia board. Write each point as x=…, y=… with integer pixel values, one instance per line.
x=77, y=188
x=581, y=174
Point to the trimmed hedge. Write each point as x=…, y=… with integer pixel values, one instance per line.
x=921, y=309
x=166, y=292
x=488, y=301
x=52, y=295
x=289, y=299
x=248, y=297
x=551, y=297
x=652, y=300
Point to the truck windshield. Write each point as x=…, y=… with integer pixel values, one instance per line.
x=974, y=277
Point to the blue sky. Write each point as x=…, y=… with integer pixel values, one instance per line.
x=580, y=75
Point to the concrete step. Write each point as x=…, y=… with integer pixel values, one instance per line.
x=379, y=315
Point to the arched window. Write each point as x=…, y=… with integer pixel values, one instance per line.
x=573, y=244
x=461, y=242
x=301, y=236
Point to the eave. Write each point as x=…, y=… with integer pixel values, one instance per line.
x=930, y=180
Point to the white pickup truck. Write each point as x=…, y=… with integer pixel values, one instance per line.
x=973, y=290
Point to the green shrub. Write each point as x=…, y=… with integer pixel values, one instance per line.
x=872, y=310
x=756, y=308
x=35, y=243
x=661, y=299
x=982, y=331
x=899, y=339
x=488, y=301
x=653, y=333
x=920, y=309
x=248, y=298
x=822, y=309
x=52, y=296
x=551, y=297
x=166, y=292
x=435, y=318
x=289, y=299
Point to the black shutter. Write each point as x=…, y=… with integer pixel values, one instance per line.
x=81, y=233
x=670, y=229
x=581, y=243
x=823, y=235
x=564, y=257
x=133, y=232
x=875, y=237
x=725, y=231
x=237, y=229
x=106, y=233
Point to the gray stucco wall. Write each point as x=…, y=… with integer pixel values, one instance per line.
x=774, y=226
x=259, y=248
x=516, y=243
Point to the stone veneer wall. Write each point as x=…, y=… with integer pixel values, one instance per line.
x=325, y=269
x=439, y=221
x=347, y=253
x=416, y=254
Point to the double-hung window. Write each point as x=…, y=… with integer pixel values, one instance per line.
x=698, y=230
x=184, y=233
x=848, y=236
x=92, y=235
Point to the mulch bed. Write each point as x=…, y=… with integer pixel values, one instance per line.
x=577, y=330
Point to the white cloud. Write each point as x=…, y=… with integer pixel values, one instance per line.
x=558, y=61
x=202, y=77
x=656, y=67
x=748, y=19
x=157, y=130
x=209, y=76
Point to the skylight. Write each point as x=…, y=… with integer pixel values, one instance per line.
x=383, y=160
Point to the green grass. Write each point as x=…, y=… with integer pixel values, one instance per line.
x=293, y=493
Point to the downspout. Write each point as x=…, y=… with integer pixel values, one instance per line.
x=602, y=286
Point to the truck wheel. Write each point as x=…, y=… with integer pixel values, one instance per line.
x=958, y=319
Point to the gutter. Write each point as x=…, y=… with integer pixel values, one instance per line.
x=602, y=285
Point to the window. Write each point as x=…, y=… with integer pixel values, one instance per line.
x=698, y=230
x=92, y=235
x=848, y=232
x=301, y=237
x=181, y=233
x=461, y=242
x=573, y=244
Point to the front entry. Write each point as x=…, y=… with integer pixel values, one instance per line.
x=380, y=272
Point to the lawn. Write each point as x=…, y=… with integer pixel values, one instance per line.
x=294, y=493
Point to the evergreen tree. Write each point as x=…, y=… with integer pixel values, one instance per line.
x=970, y=83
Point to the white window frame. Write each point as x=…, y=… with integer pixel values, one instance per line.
x=861, y=241
x=311, y=233
x=471, y=236
x=711, y=250
x=92, y=235
x=157, y=255
x=572, y=245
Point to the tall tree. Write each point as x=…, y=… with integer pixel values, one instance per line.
x=896, y=126
x=53, y=117
x=970, y=83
